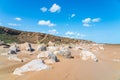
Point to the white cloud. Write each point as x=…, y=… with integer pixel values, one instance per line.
x=14, y=24
x=53, y=31
x=87, y=22
x=71, y=34
x=96, y=20
x=55, y=8
x=43, y=9
x=46, y=23
x=73, y=15
x=18, y=19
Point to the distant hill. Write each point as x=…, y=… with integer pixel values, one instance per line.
x=11, y=35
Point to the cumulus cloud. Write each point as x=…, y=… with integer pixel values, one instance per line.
x=14, y=24
x=53, y=31
x=43, y=9
x=73, y=15
x=74, y=34
x=69, y=33
x=96, y=20
x=46, y=23
x=55, y=8
x=18, y=19
x=88, y=21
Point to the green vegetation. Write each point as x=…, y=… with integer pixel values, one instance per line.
x=8, y=38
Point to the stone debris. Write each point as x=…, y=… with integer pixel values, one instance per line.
x=29, y=47
x=41, y=48
x=14, y=48
x=48, y=57
x=63, y=52
x=49, y=54
x=11, y=52
x=51, y=59
x=34, y=65
x=85, y=55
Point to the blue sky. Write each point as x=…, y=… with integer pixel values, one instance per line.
x=96, y=20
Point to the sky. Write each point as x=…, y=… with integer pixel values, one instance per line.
x=96, y=20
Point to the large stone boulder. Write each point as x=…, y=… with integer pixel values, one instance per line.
x=29, y=47
x=41, y=47
x=63, y=52
x=34, y=65
x=51, y=59
x=85, y=55
x=13, y=49
x=48, y=57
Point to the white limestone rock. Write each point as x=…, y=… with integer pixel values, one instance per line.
x=41, y=48
x=85, y=55
x=34, y=65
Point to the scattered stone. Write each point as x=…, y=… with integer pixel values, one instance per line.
x=51, y=59
x=29, y=47
x=11, y=52
x=14, y=48
x=41, y=48
x=88, y=55
x=34, y=65
x=63, y=52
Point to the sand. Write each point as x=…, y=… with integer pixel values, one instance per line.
x=68, y=69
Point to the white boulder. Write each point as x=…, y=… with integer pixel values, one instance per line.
x=48, y=57
x=34, y=65
x=29, y=47
x=63, y=52
x=41, y=48
x=88, y=55
x=13, y=48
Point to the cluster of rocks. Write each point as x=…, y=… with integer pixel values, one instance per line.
x=2, y=43
x=50, y=53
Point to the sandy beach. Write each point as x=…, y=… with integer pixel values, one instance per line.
x=107, y=68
